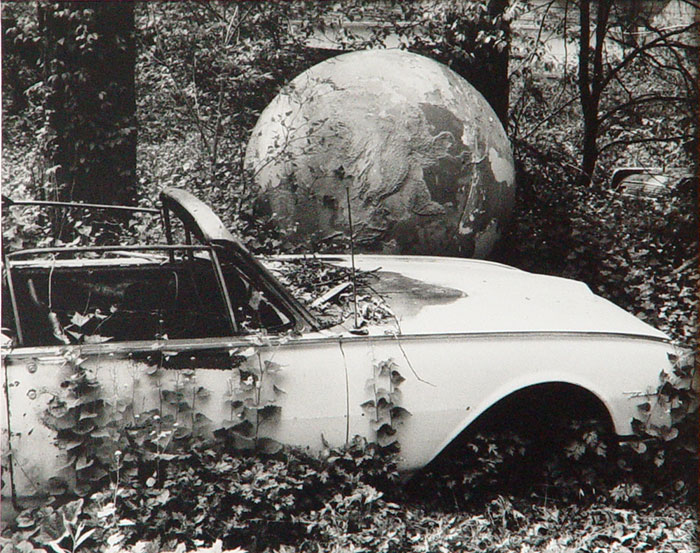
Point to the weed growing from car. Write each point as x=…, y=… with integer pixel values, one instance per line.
x=62, y=528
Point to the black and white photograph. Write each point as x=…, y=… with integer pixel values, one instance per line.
x=354, y=276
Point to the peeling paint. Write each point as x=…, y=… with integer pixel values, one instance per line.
x=500, y=167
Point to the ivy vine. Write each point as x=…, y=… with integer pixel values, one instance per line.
x=384, y=407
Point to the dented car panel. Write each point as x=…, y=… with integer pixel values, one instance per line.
x=192, y=322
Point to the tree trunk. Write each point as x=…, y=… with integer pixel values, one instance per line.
x=589, y=148
x=89, y=58
x=497, y=85
x=591, y=82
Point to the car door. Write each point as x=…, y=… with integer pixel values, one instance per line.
x=172, y=355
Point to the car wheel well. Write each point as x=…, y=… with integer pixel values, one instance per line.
x=550, y=406
x=547, y=400
x=514, y=445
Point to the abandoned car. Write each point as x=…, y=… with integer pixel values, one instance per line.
x=206, y=336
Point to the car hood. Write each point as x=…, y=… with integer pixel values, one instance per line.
x=432, y=295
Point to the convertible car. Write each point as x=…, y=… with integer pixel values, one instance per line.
x=198, y=331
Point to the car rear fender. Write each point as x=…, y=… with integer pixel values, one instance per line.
x=620, y=410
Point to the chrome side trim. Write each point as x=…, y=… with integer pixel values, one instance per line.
x=243, y=341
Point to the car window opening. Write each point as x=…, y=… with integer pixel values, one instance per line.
x=95, y=303
x=197, y=285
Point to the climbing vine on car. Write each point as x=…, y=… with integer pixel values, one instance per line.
x=383, y=408
x=252, y=398
x=79, y=416
x=666, y=451
x=92, y=425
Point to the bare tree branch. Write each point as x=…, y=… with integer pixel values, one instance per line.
x=637, y=51
x=550, y=116
x=628, y=141
x=645, y=99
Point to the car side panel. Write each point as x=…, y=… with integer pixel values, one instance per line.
x=451, y=380
x=135, y=378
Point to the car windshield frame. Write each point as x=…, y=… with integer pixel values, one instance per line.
x=199, y=222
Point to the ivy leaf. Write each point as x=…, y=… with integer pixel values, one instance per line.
x=96, y=339
x=244, y=428
x=181, y=433
x=385, y=440
x=255, y=299
x=399, y=412
x=162, y=497
x=266, y=412
x=378, y=424
x=383, y=403
x=79, y=320
x=242, y=352
x=164, y=456
x=669, y=433
x=202, y=393
x=83, y=462
x=369, y=404
x=396, y=377
x=201, y=419
x=57, y=486
x=71, y=444
x=272, y=367
x=79, y=541
x=75, y=334
x=84, y=427
x=244, y=442
x=268, y=446
x=267, y=391
x=26, y=519
x=382, y=393
x=384, y=370
x=57, y=408
x=171, y=397
x=106, y=511
x=72, y=510
x=52, y=528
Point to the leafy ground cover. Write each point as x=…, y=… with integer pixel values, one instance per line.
x=205, y=499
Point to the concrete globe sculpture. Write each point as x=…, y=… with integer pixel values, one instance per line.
x=426, y=162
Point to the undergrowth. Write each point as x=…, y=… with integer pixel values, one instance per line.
x=352, y=498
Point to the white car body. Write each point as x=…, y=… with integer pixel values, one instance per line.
x=465, y=335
